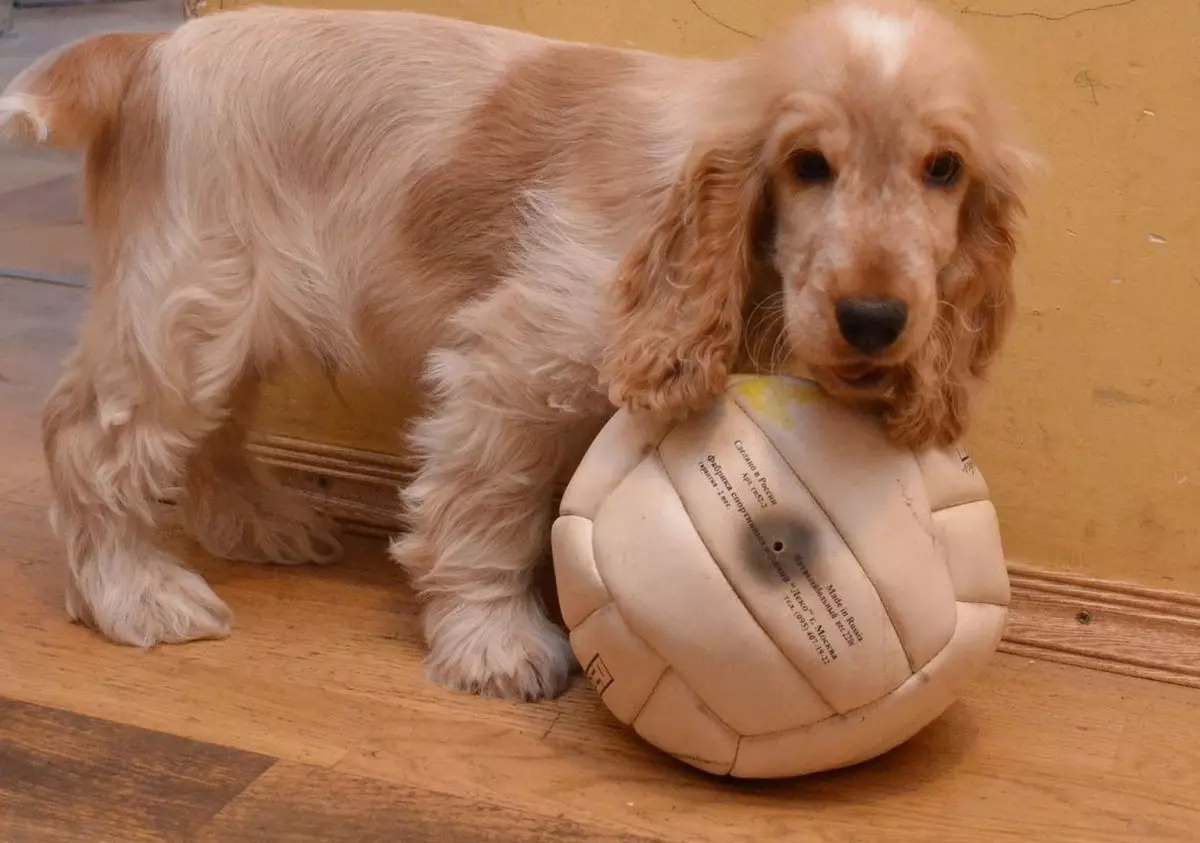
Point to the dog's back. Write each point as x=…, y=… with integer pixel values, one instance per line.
x=364, y=165
x=256, y=61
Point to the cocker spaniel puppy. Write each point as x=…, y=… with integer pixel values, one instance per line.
x=547, y=229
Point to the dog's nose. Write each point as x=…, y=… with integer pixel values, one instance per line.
x=871, y=325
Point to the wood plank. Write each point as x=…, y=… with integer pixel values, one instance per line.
x=293, y=803
x=343, y=641
x=313, y=670
x=52, y=249
x=66, y=777
x=22, y=167
x=1029, y=753
x=37, y=330
x=1158, y=744
x=56, y=201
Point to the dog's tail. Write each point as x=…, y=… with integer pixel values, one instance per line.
x=67, y=97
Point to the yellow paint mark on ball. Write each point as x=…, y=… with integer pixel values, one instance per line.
x=775, y=397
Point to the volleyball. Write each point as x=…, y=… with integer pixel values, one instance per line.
x=772, y=588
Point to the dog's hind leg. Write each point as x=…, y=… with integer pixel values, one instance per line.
x=116, y=442
x=237, y=510
x=163, y=351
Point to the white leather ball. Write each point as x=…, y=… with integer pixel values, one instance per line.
x=772, y=588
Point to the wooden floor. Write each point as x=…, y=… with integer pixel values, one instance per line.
x=314, y=721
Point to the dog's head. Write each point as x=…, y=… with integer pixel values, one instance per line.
x=862, y=165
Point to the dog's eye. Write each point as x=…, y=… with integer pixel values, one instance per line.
x=942, y=170
x=811, y=167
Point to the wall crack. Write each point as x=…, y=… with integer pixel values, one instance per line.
x=967, y=10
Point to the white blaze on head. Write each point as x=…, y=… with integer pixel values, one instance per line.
x=885, y=36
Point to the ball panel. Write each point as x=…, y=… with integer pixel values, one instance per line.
x=580, y=591
x=888, y=722
x=951, y=477
x=674, y=597
x=621, y=444
x=783, y=557
x=620, y=666
x=874, y=493
x=679, y=723
x=970, y=538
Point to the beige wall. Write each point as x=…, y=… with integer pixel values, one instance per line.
x=1089, y=438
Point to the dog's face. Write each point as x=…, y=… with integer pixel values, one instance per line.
x=869, y=172
x=862, y=233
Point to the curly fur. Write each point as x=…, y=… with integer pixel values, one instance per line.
x=546, y=229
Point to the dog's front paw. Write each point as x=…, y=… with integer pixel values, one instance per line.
x=505, y=648
x=668, y=390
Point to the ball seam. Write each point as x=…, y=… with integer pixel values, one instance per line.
x=912, y=667
x=741, y=598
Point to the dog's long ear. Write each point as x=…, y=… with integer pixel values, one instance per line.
x=678, y=296
x=975, y=313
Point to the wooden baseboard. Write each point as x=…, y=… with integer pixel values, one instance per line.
x=1068, y=618
x=358, y=488
x=1115, y=626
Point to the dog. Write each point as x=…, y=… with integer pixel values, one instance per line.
x=547, y=230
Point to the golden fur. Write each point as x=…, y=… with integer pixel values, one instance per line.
x=547, y=228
